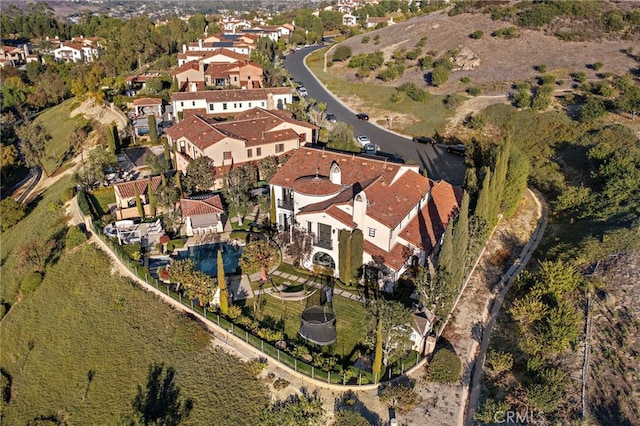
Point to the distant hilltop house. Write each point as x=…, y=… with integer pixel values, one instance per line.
x=243, y=46
x=349, y=20
x=78, y=49
x=402, y=215
x=137, y=82
x=222, y=103
x=372, y=22
x=253, y=135
x=218, y=68
x=16, y=56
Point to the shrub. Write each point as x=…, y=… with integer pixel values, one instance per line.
x=542, y=68
x=398, y=97
x=466, y=79
x=280, y=384
x=597, y=65
x=376, y=39
x=342, y=53
x=580, y=77
x=445, y=367
x=426, y=63
x=364, y=40
x=474, y=90
x=30, y=283
x=422, y=42
x=414, y=92
x=234, y=311
x=75, y=237
x=477, y=34
x=439, y=75
x=68, y=194
x=412, y=55
x=547, y=79
x=505, y=33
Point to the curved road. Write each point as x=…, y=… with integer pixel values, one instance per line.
x=434, y=158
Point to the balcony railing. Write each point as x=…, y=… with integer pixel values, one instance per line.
x=286, y=204
x=323, y=244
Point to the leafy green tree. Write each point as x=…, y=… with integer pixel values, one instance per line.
x=222, y=285
x=445, y=367
x=439, y=75
x=629, y=101
x=303, y=410
x=267, y=168
x=341, y=138
x=153, y=128
x=350, y=418
x=342, y=53
x=181, y=271
x=14, y=93
x=9, y=160
x=298, y=109
x=200, y=175
x=399, y=396
x=237, y=184
x=542, y=97
x=33, y=139
x=11, y=212
x=394, y=319
x=259, y=255
x=592, y=109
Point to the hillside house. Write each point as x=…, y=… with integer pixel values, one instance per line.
x=201, y=215
x=126, y=197
x=402, y=214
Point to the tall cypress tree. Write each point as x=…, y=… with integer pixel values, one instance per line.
x=111, y=143
x=272, y=213
x=357, y=247
x=483, y=207
x=518, y=168
x=344, y=240
x=376, y=369
x=179, y=182
x=461, y=240
x=222, y=285
x=445, y=273
x=167, y=154
x=151, y=198
x=116, y=137
x=138, y=200
x=153, y=128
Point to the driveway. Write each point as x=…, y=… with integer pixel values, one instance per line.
x=434, y=158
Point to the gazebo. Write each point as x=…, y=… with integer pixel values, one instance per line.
x=318, y=325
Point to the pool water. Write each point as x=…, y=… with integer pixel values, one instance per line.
x=206, y=257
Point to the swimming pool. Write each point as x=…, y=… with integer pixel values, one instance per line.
x=206, y=257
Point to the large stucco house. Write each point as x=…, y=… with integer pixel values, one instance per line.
x=402, y=214
x=252, y=135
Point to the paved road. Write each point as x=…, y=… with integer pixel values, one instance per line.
x=438, y=163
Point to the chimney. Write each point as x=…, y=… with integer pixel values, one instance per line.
x=184, y=48
x=200, y=44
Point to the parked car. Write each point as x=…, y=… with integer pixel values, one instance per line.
x=457, y=149
x=331, y=118
x=424, y=139
x=369, y=149
x=363, y=140
x=362, y=116
x=302, y=91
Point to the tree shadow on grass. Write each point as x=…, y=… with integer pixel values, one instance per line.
x=159, y=402
x=351, y=402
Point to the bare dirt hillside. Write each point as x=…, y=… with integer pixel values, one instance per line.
x=500, y=60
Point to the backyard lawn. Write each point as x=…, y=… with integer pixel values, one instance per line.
x=60, y=126
x=101, y=199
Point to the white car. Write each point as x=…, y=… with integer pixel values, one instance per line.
x=302, y=91
x=363, y=140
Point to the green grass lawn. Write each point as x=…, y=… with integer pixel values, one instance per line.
x=60, y=126
x=429, y=115
x=80, y=346
x=101, y=199
x=350, y=318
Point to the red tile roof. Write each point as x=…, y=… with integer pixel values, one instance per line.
x=354, y=169
x=197, y=131
x=257, y=132
x=230, y=95
x=147, y=101
x=206, y=206
x=394, y=259
x=389, y=204
x=315, y=185
x=127, y=189
x=188, y=66
x=426, y=229
x=341, y=215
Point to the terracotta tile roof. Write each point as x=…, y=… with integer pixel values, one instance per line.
x=230, y=95
x=394, y=259
x=219, y=51
x=76, y=46
x=221, y=70
x=282, y=114
x=307, y=161
x=389, y=204
x=147, y=101
x=198, y=207
x=257, y=131
x=188, y=66
x=342, y=216
x=425, y=230
x=127, y=189
x=316, y=185
x=197, y=130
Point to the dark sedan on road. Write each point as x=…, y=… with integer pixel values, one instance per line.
x=457, y=149
x=424, y=139
x=362, y=116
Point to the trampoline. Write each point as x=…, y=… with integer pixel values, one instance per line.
x=319, y=325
